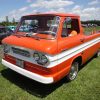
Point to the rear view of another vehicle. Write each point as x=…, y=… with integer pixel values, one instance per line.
x=4, y=32
x=11, y=27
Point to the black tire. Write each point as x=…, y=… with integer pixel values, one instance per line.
x=97, y=54
x=73, y=71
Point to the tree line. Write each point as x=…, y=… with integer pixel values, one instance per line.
x=97, y=22
x=8, y=23
x=14, y=23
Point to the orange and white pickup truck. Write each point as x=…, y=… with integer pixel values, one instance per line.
x=47, y=47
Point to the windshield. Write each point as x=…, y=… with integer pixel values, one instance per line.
x=39, y=26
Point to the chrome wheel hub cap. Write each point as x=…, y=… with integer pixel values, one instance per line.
x=73, y=71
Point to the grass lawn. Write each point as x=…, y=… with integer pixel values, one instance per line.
x=14, y=86
x=86, y=87
x=88, y=30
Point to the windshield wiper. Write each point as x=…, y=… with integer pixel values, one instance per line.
x=27, y=35
x=16, y=34
x=47, y=32
x=30, y=35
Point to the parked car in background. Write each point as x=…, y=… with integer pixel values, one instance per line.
x=4, y=32
x=12, y=27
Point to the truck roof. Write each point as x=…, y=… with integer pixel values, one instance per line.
x=55, y=14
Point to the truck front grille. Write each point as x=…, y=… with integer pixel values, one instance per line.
x=20, y=52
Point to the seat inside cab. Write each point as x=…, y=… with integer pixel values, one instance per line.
x=71, y=28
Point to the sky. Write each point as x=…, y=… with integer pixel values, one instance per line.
x=87, y=9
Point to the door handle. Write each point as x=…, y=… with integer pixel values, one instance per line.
x=62, y=50
x=82, y=40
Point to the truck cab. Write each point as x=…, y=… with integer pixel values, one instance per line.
x=48, y=47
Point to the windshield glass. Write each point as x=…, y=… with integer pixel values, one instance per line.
x=39, y=26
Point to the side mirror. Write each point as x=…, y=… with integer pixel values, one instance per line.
x=68, y=20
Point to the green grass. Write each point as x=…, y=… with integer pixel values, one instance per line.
x=86, y=87
x=88, y=30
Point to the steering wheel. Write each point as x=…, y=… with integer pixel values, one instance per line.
x=33, y=28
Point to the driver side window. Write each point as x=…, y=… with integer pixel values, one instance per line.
x=70, y=27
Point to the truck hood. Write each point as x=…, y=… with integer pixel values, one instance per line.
x=42, y=45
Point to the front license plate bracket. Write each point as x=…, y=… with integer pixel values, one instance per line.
x=20, y=63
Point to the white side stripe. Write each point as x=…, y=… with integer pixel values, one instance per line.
x=57, y=59
x=67, y=52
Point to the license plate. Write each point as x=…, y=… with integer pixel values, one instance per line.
x=20, y=63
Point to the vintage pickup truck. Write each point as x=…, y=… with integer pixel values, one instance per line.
x=52, y=46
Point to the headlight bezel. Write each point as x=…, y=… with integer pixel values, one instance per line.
x=34, y=55
x=41, y=60
x=6, y=48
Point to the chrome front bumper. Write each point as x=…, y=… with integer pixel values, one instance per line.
x=31, y=75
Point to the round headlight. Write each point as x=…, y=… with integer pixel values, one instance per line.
x=44, y=59
x=6, y=48
x=40, y=58
x=36, y=56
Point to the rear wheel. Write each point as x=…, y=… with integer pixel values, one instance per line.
x=73, y=71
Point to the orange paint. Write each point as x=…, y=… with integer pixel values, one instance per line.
x=56, y=46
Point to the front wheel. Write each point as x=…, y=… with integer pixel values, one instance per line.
x=73, y=71
x=98, y=53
